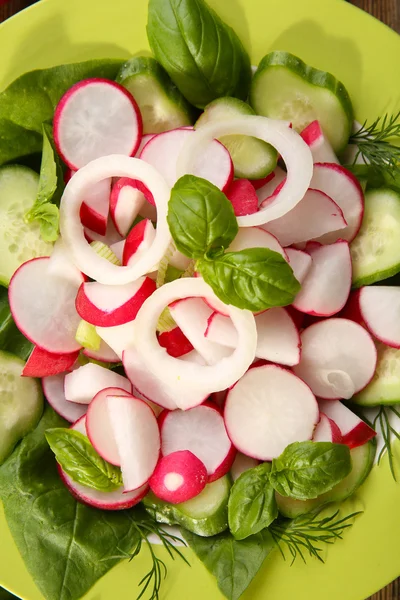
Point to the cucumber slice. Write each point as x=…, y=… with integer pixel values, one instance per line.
x=205, y=515
x=284, y=87
x=385, y=385
x=19, y=241
x=21, y=403
x=375, y=252
x=161, y=104
x=362, y=459
x=252, y=158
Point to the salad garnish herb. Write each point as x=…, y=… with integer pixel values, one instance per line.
x=375, y=143
x=387, y=429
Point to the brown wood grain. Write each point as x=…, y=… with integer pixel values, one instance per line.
x=387, y=11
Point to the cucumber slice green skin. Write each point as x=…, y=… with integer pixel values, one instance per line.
x=385, y=385
x=21, y=403
x=252, y=158
x=375, y=252
x=284, y=87
x=161, y=104
x=19, y=241
x=362, y=459
x=205, y=515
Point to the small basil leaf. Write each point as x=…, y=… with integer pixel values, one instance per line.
x=256, y=279
x=306, y=470
x=200, y=217
x=77, y=457
x=252, y=505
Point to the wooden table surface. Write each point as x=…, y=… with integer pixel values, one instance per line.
x=387, y=11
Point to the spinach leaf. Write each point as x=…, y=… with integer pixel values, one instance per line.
x=200, y=217
x=305, y=470
x=11, y=339
x=256, y=279
x=202, y=55
x=66, y=546
x=31, y=99
x=234, y=563
x=77, y=457
x=252, y=505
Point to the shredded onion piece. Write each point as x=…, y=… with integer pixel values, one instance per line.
x=294, y=151
x=84, y=257
x=186, y=376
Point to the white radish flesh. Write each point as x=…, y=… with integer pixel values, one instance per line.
x=95, y=208
x=111, y=237
x=61, y=265
x=53, y=389
x=241, y=464
x=118, y=249
x=138, y=242
x=354, y=431
x=125, y=203
x=119, y=338
x=380, y=310
x=300, y=262
x=256, y=237
x=321, y=149
x=84, y=383
x=274, y=180
x=327, y=431
x=178, y=477
x=104, y=353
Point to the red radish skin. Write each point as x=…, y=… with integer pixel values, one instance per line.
x=77, y=116
x=379, y=308
x=68, y=174
x=109, y=306
x=243, y=197
x=83, y=384
x=95, y=208
x=178, y=477
x=53, y=389
x=320, y=147
x=126, y=200
x=175, y=342
x=327, y=431
x=139, y=240
x=259, y=183
x=43, y=364
x=354, y=431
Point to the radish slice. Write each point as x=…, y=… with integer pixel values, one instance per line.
x=196, y=358
x=53, y=389
x=241, y=464
x=94, y=210
x=243, y=197
x=300, y=262
x=95, y=118
x=175, y=342
x=118, y=338
x=118, y=249
x=273, y=181
x=125, y=202
x=179, y=261
x=43, y=306
x=354, y=431
x=288, y=143
x=83, y=255
x=268, y=409
x=214, y=164
x=345, y=190
x=116, y=500
x=338, y=358
x=42, y=364
x=259, y=183
x=145, y=138
x=178, y=477
x=138, y=242
x=111, y=237
x=202, y=431
x=380, y=309
x=61, y=265
x=176, y=373
x=321, y=150
x=277, y=337
x=103, y=354
x=84, y=383
x=313, y=216
x=327, y=287
x=256, y=237
x=111, y=305
x=327, y=431
x=191, y=316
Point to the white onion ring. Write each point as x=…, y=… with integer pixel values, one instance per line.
x=84, y=257
x=181, y=375
x=294, y=151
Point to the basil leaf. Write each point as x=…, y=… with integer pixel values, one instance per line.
x=252, y=505
x=77, y=457
x=233, y=563
x=11, y=339
x=256, y=279
x=305, y=470
x=200, y=217
x=202, y=55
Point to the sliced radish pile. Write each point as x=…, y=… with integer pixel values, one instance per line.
x=380, y=310
x=178, y=477
x=272, y=182
x=95, y=208
x=242, y=195
x=111, y=305
x=43, y=306
x=94, y=118
x=300, y=262
x=53, y=389
x=126, y=200
x=214, y=164
x=42, y=363
x=111, y=237
x=103, y=354
x=202, y=431
x=327, y=431
x=278, y=339
x=84, y=383
x=327, y=286
x=139, y=240
x=61, y=265
x=338, y=358
x=175, y=342
x=118, y=338
x=313, y=216
x=256, y=237
x=241, y=464
x=268, y=409
x=354, y=431
x=344, y=189
x=321, y=150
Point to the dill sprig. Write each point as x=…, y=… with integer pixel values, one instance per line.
x=375, y=143
x=307, y=533
x=387, y=429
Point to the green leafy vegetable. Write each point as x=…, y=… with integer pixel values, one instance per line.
x=306, y=470
x=202, y=55
x=234, y=563
x=77, y=457
x=252, y=505
x=256, y=279
x=11, y=339
x=389, y=433
x=200, y=217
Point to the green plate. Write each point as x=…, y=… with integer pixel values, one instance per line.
x=331, y=35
